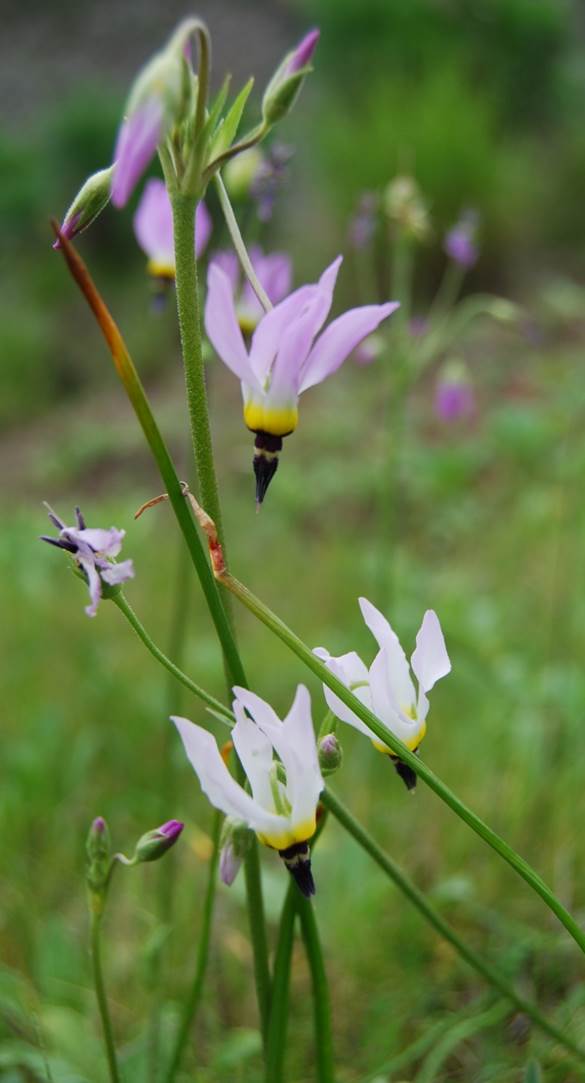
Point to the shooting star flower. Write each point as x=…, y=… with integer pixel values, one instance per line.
x=93, y=550
x=282, y=807
x=274, y=273
x=153, y=226
x=285, y=357
x=387, y=688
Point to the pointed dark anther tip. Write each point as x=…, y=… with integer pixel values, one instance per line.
x=264, y=471
x=303, y=878
x=407, y=774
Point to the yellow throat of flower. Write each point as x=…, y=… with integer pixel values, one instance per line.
x=276, y=421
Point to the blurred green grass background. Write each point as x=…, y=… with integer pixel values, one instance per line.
x=483, y=103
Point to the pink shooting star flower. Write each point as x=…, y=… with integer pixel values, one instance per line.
x=274, y=272
x=287, y=355
x=153, y=226
x=93, y=550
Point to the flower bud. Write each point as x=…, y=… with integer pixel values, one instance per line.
x=404, y=205
x=460, y=242
x=235, y=842
x=330, y=754
x=98, y=848
x=240, y=172
x=283, y=89
x=89, y=202
x=454, y=396
x=155, y=843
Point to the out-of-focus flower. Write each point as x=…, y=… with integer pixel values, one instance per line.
x=362, y=225
x=418, y=326
x=284, y=87
x=460, y=242
x=93, y=550
x=152, y=108
x=235, y=842
x=454, y=394
x=285, y=356
x=89, y=202
x=98, y=847
x=386, y=688
x=405, y=206
x=274, y=272
x=282, y=807
x=269, y=178
x=153, y=226
x=239, y=172
x=155, y=843
x=369, y=350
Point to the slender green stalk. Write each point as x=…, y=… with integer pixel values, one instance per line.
x=193, y=1000
x=125, y=608
x=258, y=936
x=100, y=992
x=321, y=998
x=296, y=645
x=188, y=306
x=463, y=1029
x=240, y=247
x=276, y=1037
x=422, y=904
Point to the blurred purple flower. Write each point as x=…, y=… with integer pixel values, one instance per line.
x=460, y=242
x=418, y=326
x=270, y=177
x=94, y=551
x=229, y=863
x=153, y=227
x=363, y=223
x=274, y=273
x=454, y=394
x=368, y=350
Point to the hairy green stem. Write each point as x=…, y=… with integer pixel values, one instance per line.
x=321, y=999
x=100, y=992
x=125, y=608
x=276, y=1037
x=429, y=912
x=497, y=843
x=193, y=1000
x=240, y=247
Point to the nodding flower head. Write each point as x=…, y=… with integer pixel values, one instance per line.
x=153, y=226
x=282, y=807
x=274, y=272
x=285, y=356
x=93, y=550
x=387, y=688
x=460, y=242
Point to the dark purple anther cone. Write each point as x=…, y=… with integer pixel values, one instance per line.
x=297, y=859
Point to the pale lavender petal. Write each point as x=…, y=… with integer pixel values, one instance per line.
x=230, y=265
x=106, y=542
x=153, y=223
x=137, y=141
x=93, y=583
x=340, y=338
x=117, y=573
x=222, y=327
x=229, y=864
x=203, y=227
x=275, y=274
x=430, y=660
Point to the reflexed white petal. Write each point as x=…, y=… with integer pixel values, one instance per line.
x=260, y=710
x=254, y=750
x=108, y=542
x=430, y=660
x=304, y=781
x=384, y=703
x=337, y=706
x=218, y=785
x=398, y=670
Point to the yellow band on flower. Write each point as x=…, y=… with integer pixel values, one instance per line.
x=158, y=269
x=301, y=833
x=276, y=421
x=411, y=743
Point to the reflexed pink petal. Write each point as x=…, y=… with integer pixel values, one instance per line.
x=203, y=227
x=114, y=574
x=106, y=542
x=340, y=338
x=229, y=263
x=430, y=660
x=94, y=585
x=137, y=141
x=153, y=223
x=221, y=324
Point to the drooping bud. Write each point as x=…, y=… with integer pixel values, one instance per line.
x=284, y=87
x=235, y=843
x=454, y=395
x=98, y=848
x=330, y=754
x=154, y=844
x=89, y=202
x=405, y=206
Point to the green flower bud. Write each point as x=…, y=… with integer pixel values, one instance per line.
x=330, y=754
x=240, y=172
x=89, y=202
x=404, y=205
x=98, y=849
x=155, y=843
x=283, y=89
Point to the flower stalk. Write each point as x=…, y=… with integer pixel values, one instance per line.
x=278, y=1025
x=96, y=914
x=321, y=997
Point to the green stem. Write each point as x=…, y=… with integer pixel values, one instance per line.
x=188, y=306
x=258, y=936
x=240, y=247
x=321, y=999
x=276, y=1037
x=100, y=992
x=296, y=645
x=125, y=608
x=193, y=1000
x=422, y=904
